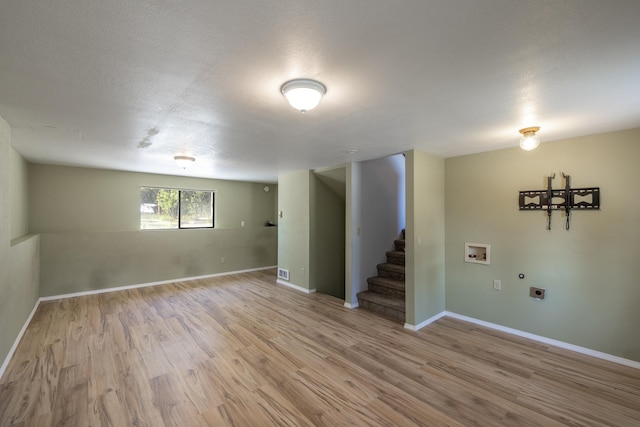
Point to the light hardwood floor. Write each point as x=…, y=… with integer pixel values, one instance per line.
x=241, y=350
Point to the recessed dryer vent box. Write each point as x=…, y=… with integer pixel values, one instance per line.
x=479, y=253
x=537, y=293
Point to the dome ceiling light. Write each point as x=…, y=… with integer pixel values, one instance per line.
x=303, y=94
x=529, y=140
x=184, y=161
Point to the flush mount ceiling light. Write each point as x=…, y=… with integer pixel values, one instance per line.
x=529, y=140
x=303, y=94
x=184, y=161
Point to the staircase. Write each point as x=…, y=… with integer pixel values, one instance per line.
x=386, y=290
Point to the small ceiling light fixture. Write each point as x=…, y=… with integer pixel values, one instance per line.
x=303, y=94
x=529, y=140
x=184, y=161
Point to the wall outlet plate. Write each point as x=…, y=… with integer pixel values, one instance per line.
x=537, y=293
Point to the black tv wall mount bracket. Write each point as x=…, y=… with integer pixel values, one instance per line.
x=567, y=199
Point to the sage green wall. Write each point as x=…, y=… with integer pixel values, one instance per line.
x=89, y=222
x=425, y=237
x=353, y=281
x=591, y=272
x=327, y=223
x=19, y=194
x=86, y=260
x=294, y=226
x=19, y=272
x=83, y=199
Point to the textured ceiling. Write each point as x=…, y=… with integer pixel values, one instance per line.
x=127, y=85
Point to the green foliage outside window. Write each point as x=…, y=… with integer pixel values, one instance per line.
x=167, y=201
x=162, y=208
x=196, y=209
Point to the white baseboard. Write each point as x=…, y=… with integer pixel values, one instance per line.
x=555, y=343
x=296, y=287
x=5, y=363
x=425, y=323
x=144, y=285
x=101, y=291
x=349, y=305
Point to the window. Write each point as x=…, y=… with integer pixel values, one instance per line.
x=167, y=208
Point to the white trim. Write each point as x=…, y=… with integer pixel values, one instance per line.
x=105, y=290
x=556, y=343
x=550, y=341
x=296, y=287
x=425, y=323
x=349, y=305
x=144, y=285
x=18, y=338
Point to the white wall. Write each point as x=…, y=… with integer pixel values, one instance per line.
x=375, y=211
x=382, y=204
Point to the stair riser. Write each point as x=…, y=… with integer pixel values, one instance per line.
x=388, y=274
x=386, y=295
x=385, y=311
x=391, y=259
x=381, y=289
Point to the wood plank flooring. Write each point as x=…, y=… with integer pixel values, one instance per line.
x=241, y=350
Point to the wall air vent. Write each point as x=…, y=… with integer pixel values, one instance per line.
x=283, y=274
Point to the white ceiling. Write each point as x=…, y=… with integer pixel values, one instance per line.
x=127, y=85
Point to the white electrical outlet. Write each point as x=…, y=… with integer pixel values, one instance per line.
x=222, y=260
x=497, y=285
